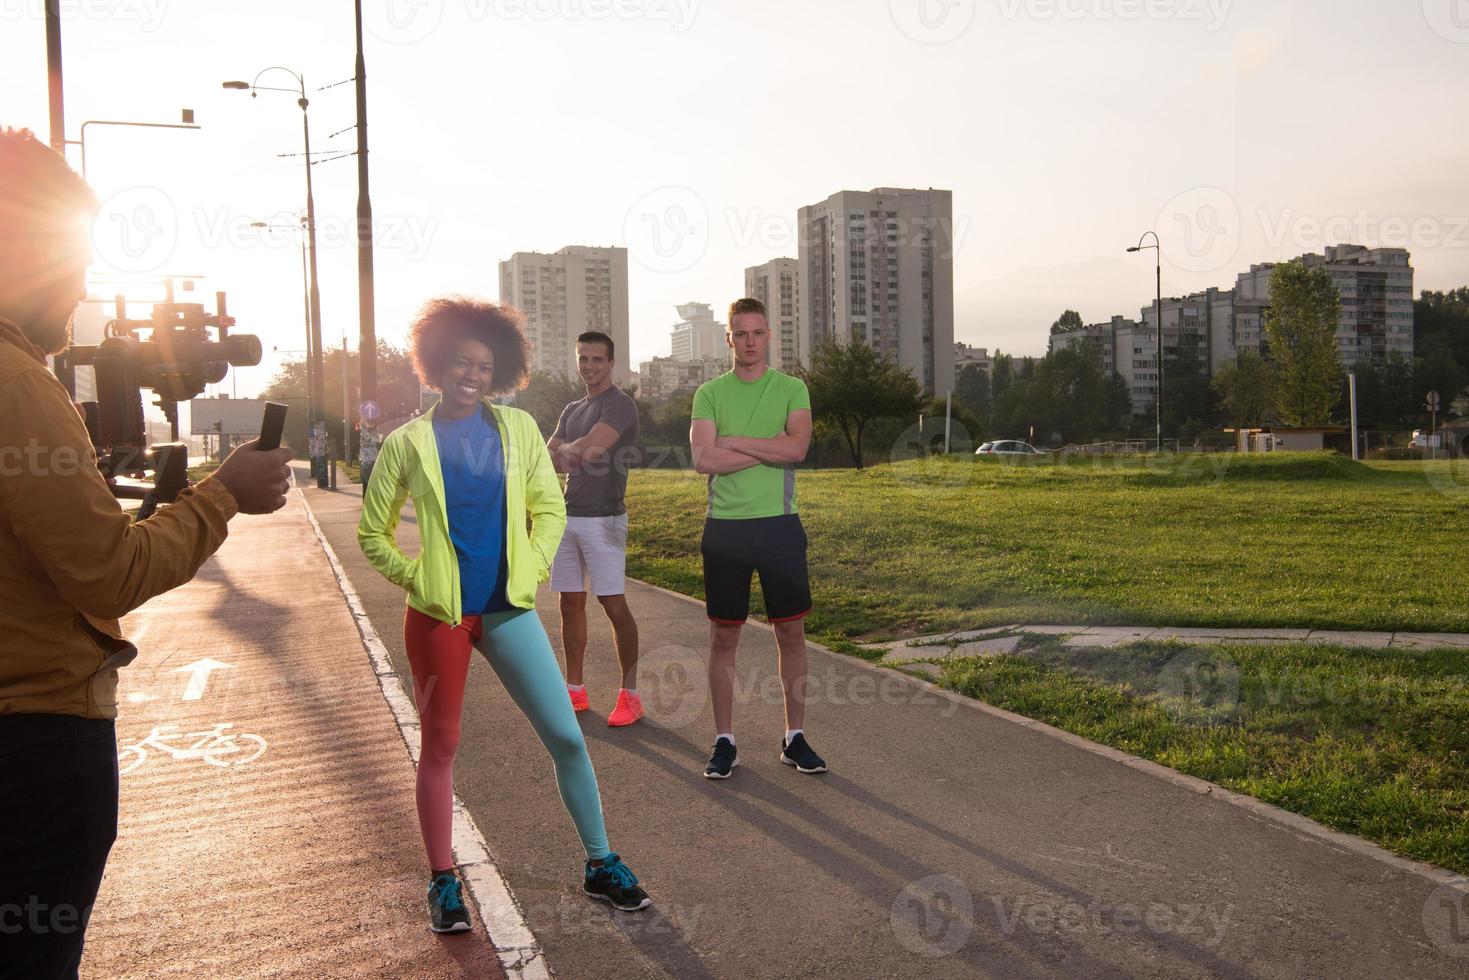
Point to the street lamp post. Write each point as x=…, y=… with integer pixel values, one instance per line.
x=314, y=364
x=1157, y=248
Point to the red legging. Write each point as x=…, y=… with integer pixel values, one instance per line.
x=521, y=656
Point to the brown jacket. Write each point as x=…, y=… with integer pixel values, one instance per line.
x=71, y=561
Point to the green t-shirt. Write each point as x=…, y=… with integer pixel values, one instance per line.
x=758, y=409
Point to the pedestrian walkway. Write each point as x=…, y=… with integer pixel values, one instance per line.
x=994, y=641
x=949, y=839
x=267, y=824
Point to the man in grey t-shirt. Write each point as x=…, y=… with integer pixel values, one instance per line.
x=594, y=443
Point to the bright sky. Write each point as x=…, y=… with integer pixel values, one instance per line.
x=692, y=130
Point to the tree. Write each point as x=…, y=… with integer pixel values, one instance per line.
x=397, y=384
x=1189, y=402
x=547, y=394
x=1246, y=388
x=1301, y=328
x=1002, y=374
x=851, y=386
x=1437, y=371
x=1117, y=404
x=1070, y=320
x=1441, y=320
x=1067, y=396
x=972, y=390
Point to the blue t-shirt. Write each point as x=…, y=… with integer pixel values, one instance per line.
x=473, y=466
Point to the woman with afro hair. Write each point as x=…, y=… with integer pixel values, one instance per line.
x=478, y=473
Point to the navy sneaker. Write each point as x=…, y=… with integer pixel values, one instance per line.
x=612, y=881
x=722, y=761
x=446, y=911
x=799, y=754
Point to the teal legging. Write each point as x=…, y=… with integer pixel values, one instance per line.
x=516, y=645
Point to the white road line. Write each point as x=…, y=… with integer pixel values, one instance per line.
x=520, y=953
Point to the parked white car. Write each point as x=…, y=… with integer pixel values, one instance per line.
x=1008, y=447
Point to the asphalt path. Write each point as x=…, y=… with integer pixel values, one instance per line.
x=944, y=842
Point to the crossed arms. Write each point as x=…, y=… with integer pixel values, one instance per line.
x=715, y=454
x=572, y=456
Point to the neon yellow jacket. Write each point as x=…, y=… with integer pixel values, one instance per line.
x=408, y=466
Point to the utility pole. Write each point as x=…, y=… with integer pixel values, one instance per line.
x=367, y=315
x=53, y=76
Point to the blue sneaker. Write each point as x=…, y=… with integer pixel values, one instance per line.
x=614, y=882
x=446, y=911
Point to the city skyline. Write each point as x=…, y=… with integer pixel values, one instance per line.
x=1055, y=166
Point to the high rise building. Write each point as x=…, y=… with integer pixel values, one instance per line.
x=877, y=267
x=564, y=294
x=1376, y=288
x=697, y=334
x=663, y=377
x=777, y=285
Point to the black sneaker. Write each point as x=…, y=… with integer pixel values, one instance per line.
x=614, y=882
x=722, y=761
x=797, y=753
x=446, y=911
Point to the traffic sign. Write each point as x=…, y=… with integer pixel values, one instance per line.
x=370, y=411
x=1433, y=401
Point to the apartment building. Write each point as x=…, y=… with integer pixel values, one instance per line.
x=877, y=267
x=663, y=377
x=697, y=334
x=777, y=285
x=564, y=294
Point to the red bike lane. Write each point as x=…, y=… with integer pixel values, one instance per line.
x=267, y=823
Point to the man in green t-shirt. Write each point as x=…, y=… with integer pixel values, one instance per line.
x=750, y=428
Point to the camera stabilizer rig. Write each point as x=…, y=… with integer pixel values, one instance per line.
x=176, y=361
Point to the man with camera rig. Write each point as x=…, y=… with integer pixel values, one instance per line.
x=71, y=564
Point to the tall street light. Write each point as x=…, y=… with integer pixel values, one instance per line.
x=314, y=364
x=1157, y=248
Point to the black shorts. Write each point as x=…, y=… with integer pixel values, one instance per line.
x=774, y=547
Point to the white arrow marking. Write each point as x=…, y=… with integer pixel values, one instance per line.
x=198, y=672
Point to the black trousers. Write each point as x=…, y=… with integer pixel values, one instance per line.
x=58, y=819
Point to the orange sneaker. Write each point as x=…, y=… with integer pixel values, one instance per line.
x=629, y=709
x=578, y=698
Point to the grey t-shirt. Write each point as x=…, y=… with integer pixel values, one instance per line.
x=597, y=489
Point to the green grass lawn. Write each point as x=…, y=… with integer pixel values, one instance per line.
x=1371, y=742
x=1374, y=743
x=1306, y=540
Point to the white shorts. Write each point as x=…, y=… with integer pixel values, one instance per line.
x=595, y=547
